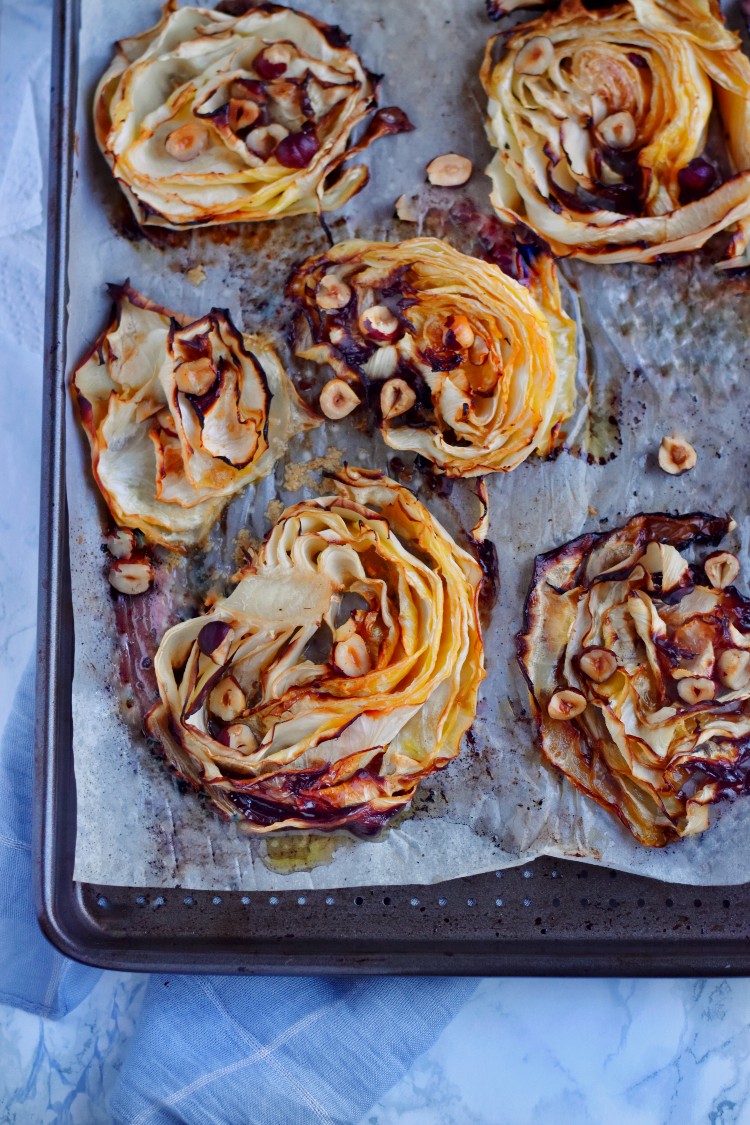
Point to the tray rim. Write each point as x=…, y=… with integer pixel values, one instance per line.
x=59, y=901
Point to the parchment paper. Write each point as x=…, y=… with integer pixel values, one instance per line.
x=667, y=351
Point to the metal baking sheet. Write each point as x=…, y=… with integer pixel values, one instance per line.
x=550, y=916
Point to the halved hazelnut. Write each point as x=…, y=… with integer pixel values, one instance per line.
x=121, y=542
x=406, y=209
x=535, y=56
x=337, y=399
x=345, y=630
x=696, y=689
x=396, y=397
x=378, y=322
x=449, y=170
x=566, y=704
x=242, y=113
x=195, y=376
x=131, y=577
x=351, y=656
x=618, y=130
x=461, y=330
x=273, y=60
x=239, y=737
x=227, y=699
x=264, y=140
x=676, y=455
x=336, y=335
x=187, y=142
x=721, y=569
x=478, y=351
x=733, y=667
x=332, y=293
x=598, y=664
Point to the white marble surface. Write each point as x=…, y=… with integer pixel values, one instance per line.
x=630, y=1052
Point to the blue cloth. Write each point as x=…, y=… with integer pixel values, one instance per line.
x=225, y=1050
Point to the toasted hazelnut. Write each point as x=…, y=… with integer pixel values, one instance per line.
x=227, y=699
x=121, y=542
x=449, y=170
x=478, y=351
x=696, y=689
x=378, y=322
x=273, y=60
x=406, y=209
x=618, y=130
x=396, y=397
x=187, y=142
x=131, y=577
x=264, y=140
x=676, y=455
x=721, y=569
x=461, y=330
x=535, y=56
x=598, y=664
x=239, y=737
x=332, y=293
x=337, y=399
x=242, y=113
x=733, y=667
x=195, y=376
x=351, y=656
x=337, y=335
x=566, y=704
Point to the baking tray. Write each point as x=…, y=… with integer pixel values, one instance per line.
x=548, y=917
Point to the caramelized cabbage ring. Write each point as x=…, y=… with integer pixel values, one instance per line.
x=601, y=124
x=341, y=671
x=180, y=416
x=209, y=118
x=639, y=670
x=463, y=364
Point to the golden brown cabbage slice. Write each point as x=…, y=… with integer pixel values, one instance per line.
x=639, y=669
x=215, y=118
x=180, y=416
x=462, y=364
x=601, y=122
x=341, y=671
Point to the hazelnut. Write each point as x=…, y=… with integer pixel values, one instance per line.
x=535, y=56
x=273, y=60
x=721, y=569
x=351, y=656
x=239, y=737
x=337, y=399
x=598, y=664
x=449, y=170
x=264, y=140
x=566, y=704
x=378, y=322
x=131, y=577
x=346, y=630
x=242, y=113
x=676, y=455
x=215, y=640
x=618, y=130
x=733, y=667
x=227, y=699
x=121, y=542
x=461, y=330
x=332, y=293
x=406, y=209
x=696, y=689
x=478, y=351
x=195, y=376
x=396, y=397
x=187, y=142
x=336, y=335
